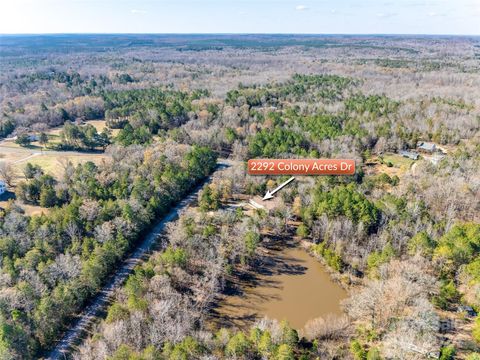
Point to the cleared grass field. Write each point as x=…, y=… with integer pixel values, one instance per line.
x=399, y=165
x=12, y=156
x=398, y=161
x=52, y=163
x=97, y=124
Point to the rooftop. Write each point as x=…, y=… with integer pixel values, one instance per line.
x=410, y=154
x=427, y=146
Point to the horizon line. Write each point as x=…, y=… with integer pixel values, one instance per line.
x=236, y=33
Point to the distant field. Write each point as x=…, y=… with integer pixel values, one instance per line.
x=50, y=161
x=54, y=133
x=13, y=156
x=100, y=125
x=398, y=161
x=30, y=210
x=51, y=164
x=54, y=136
x=400, y=165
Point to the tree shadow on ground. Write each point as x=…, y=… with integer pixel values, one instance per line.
x=7, y=195
x=252, y=282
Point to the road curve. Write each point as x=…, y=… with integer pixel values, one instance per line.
x=101, y=300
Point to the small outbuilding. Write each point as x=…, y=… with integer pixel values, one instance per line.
x=410, y=154
x=428, y=147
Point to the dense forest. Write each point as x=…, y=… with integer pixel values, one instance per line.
x=99, y=213
x=402, y=236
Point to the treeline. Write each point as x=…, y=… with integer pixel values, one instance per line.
x=300, y=115
x=143, y=113
x=74, y=97
x=6, y=127
x=326, y=87
x=52, y=264
x=271, y=143
x=366, y=226
x=272, y=340
x=167, y=301
x=457, y=255
x=369, y=228
x=364, y=124
x=86, y=137
x=40, y=189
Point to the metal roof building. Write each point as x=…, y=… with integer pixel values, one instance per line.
x=410, y=154
x=427, y=146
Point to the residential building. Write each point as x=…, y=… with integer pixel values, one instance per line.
x=410, y=154
x=427, y=147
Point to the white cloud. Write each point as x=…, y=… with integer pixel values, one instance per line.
x=301, y=8
x=136, y=11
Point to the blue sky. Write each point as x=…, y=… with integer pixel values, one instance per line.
x=242, y=16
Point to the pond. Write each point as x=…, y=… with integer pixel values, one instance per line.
x=288, y=284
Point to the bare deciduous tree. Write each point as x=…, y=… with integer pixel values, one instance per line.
x=7, y=173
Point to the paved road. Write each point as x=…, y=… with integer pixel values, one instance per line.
x=86, y=319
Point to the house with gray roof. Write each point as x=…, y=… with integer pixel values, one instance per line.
x=410, y=154
x=427, y=147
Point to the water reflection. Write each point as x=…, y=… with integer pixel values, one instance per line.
x=288, y=284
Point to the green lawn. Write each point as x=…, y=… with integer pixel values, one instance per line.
x=398, y=161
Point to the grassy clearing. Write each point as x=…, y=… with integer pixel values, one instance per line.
x=53, y=137
x=398, y=161
x=399, y=165
x=97, y=124
x=30, y=210
x=54, y=134
x=10, y=144
x=11, y=157
x=52, y=163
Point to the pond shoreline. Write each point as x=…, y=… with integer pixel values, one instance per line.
x=286, y=282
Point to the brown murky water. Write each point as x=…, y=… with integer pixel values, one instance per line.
x=290, y=284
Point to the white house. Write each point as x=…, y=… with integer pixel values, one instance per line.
x=3, y=187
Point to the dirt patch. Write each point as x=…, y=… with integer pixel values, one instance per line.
x=257, y=202
x=390, y=164
x=7, y=198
